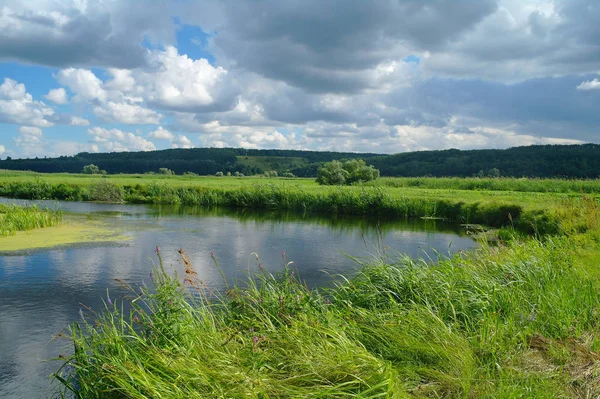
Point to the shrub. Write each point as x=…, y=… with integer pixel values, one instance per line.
x=91, y=169
x=165, y=171
x=219, y=174
x=105, y=191
x=352, y=171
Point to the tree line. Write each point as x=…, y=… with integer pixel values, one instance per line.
x=570, y=161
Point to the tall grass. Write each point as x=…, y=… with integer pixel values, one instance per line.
x=495, y=184
x=15, y=218
x=375, y=201
x=519, y=321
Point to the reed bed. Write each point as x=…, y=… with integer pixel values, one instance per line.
x=527, y=212
x=15, y=218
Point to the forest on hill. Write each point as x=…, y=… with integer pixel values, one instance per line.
x=570, y=161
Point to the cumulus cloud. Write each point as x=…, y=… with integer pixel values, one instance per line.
x=57, y=96
x=77, y=121
x=17, y=106
x=115, y=140
x=83, y=33
x=2, y=149
x=181, y=142
x=589, y=85
x=161, y=134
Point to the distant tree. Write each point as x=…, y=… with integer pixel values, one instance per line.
x=332, y=173
x=90, y=169
x=288, y=175
x=271, y=173
x=494, y=172
x=219, y=174
x=352, y=171
x=480, y=174
x=8, y=158
x=228, y=173
x=358, y=171
x=238, y=174
x=165, y=171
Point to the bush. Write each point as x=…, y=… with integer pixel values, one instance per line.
x=219, y=174
x=105, y=191
x=352, y=171
x=91, y=169
x=165, y=171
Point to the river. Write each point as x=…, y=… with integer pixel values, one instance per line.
x=42, y=291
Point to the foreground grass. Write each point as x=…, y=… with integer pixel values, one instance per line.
x=500, y=322
x=14, y=218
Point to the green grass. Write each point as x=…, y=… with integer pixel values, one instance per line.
x=516, y=321
x=530, y=212
x=15, y=218
x=519, y=319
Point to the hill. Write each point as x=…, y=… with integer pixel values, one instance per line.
x=571, y=161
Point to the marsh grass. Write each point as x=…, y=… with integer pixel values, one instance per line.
x=514, y=321
x=15, y=218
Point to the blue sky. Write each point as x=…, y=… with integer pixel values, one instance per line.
x=362, y=76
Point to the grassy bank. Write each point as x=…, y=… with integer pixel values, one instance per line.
x=515, y=321
x=530, y=212
x=520, y=319
x=14, y=218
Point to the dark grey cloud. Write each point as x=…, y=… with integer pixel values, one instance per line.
x=105, y=34
x=331, y=46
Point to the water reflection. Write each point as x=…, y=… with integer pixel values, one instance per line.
x=41, y=292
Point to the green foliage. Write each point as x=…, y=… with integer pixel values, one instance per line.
x=351, y=171
x=15, y=218
x=165, y=171
x=90, y=169
x=105, y=191
x=332, y=173
x=219, y=174
x=514, y=321
x=271, y=173
x=494, y=173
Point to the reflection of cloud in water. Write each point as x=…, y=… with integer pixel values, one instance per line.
x=13, y=264
x=40, y=293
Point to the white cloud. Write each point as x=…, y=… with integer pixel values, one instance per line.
x=77, y=121
x=83, y=83
x=31, y=131
x=117, y=140
x=2, y=149
x=182, y=142
x=589, y=85
x=57, y=96
x=179, y=82
x=126, y=113
x=17, y=106
x=161, y=134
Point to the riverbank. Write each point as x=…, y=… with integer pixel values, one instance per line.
x=512, y=321
x=504, y=205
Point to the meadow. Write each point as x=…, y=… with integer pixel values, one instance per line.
x=517, y=318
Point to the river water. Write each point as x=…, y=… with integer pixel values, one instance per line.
x=41, y=291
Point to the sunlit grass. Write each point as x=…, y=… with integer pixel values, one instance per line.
x=513, y=321
x=15, y=218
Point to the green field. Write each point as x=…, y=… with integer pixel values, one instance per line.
x=520, y=318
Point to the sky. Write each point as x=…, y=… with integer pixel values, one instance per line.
x=383, y=76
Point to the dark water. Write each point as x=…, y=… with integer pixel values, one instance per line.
x=41, y=291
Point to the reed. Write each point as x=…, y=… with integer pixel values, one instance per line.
x=15, y=218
